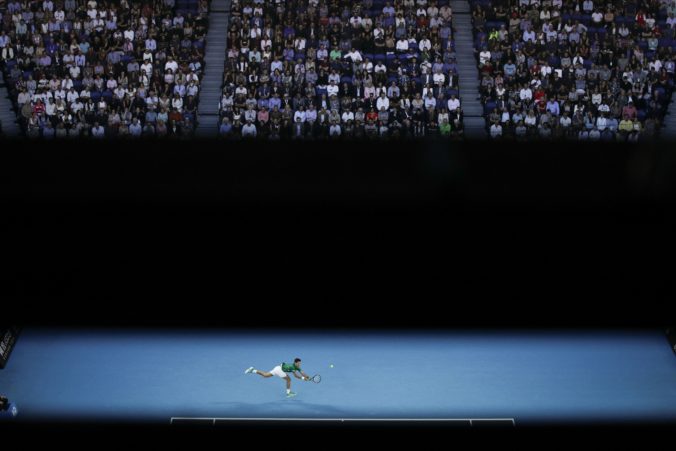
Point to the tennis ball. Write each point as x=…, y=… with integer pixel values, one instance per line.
x=331, y=365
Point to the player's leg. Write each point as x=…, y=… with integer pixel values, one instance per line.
x=255, y=371
x=289, y=393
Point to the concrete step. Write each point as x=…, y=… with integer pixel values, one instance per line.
x=472, y=111
x=217, y=44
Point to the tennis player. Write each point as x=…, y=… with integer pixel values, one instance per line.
x=283, y=371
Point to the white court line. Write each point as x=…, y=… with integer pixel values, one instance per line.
x=213, y=420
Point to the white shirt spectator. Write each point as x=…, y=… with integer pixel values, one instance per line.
x=383, y=102
x=77, y=106
x=601, y=123
x=147, y=67
x=177, y=102
x=545, y=70
x=332, y=89
x=528, y=35
x=276, y=65
x=355, y=56
x=347, y=116
x=525, y=94
x=192, y=89
x=23, y=97
x=171, y=64
x=249, y=130
x=59, y=15
x=299, y=115
x=98, y=132
x=68, y=60
x=453, y=104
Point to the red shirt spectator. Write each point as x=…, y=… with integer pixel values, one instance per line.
x=263, y=116
x=39, y=108
x=175, y=116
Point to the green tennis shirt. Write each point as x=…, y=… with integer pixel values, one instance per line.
x=289, y=367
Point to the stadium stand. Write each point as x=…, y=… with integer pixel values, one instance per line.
x=544, y=69
x=586, y=70
x=97, y=68
x=340, y=69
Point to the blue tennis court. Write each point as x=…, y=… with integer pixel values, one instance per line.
x=529, y=376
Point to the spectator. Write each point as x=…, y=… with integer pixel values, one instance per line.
x=249, y=130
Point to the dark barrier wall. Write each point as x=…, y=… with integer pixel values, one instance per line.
x=8, y=336
x=671, y=335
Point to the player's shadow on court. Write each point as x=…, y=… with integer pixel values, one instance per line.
x=286, y=408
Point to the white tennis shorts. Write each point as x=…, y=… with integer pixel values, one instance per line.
x=277, y=371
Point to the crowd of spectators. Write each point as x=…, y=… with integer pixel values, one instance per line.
x=104, y=68
x=576, y=69
x=327, y=69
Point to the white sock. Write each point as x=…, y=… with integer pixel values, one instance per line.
x=255, y=371
x=288, y=390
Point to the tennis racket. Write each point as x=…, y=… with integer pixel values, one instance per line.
x=316, y=378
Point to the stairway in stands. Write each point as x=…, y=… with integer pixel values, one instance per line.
x=10, y=128
x=210, y=86
x=468, y=74
x=668, y=130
